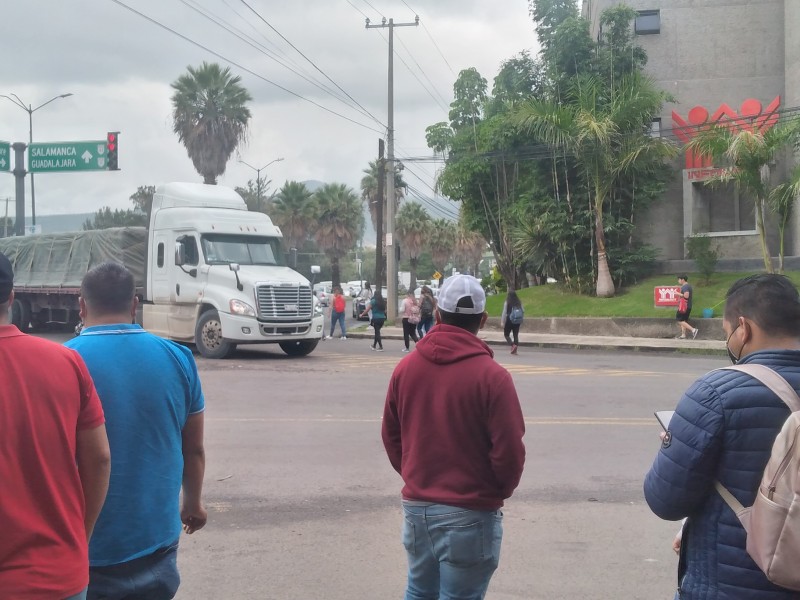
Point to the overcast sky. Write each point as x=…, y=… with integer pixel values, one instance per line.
x=119, y=67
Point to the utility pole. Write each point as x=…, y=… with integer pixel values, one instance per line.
x=19, y=180
x=258, y=178
x=377, y=283
x=391, y=257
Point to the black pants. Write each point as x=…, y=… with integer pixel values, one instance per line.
x=376, y=326
x=409, y=332
x=511, y=328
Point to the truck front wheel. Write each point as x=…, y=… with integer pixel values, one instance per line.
x=299, y=348
x=21, y=314
x=208, y=337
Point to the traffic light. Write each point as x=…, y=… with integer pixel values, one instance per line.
x=112, y=146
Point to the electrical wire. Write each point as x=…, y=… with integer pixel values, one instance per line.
x=435, y=45
x=241, y=67
x=444, y=105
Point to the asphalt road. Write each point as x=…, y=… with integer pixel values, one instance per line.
x=303, y=503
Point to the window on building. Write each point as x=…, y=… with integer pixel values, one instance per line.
x=722, y=208
x=648, y=22
x=655, y=127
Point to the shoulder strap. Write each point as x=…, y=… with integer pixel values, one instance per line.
x=773, y=381
x=782, y=389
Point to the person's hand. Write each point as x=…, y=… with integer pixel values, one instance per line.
x=676, y=543
x=193, y=518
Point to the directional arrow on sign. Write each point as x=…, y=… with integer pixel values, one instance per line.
x=86, y=156
x=2, y=163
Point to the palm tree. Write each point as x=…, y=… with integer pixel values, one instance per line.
x=605, y=129
x=369, y=190
x=210, y=116
x=748, y=149
x=441, y=242
x=338, y=223
x=293, y=212
x=781, y=200
x=470, y=246
x=411, y=227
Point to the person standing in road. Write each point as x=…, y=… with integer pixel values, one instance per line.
x=154, y=406
x=511, y=319
x=458, y=447
x=366, y=292
x=410, y=310
x=377, y=305
x=685, y=309
x=723, y=430
x=427, y=306
x=338, y=308
x=54, y=463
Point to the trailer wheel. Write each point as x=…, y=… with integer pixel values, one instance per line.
x=21, y=314
x=299, y=348
x=208, y=337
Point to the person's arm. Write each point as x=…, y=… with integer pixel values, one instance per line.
x=506, y=430
x=503, y=314
x=193, y=513
x=93, y=458
x=390, y=430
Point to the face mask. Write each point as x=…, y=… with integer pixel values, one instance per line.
x=733, y=358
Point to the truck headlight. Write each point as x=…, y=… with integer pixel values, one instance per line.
x=317, y=306
x=242, y=308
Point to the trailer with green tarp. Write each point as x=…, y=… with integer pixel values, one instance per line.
x=48, y=269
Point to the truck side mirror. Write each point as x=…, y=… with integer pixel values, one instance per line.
x=180, y=254
x=315, y=269
x=234, y=267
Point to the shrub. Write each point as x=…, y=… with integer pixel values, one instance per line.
x=699, y=249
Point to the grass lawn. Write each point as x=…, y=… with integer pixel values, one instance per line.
x=634, y=301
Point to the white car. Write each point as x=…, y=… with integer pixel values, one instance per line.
x=353, y=288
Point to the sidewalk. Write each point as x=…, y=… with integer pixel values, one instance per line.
x=494, y=337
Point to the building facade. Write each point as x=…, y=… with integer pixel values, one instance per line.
x=720, y=60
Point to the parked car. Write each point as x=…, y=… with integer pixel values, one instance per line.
x=353, y=288
x=323, y=291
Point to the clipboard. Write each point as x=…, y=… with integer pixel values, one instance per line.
x=664, y=417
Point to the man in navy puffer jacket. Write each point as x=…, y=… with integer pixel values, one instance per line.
x=724, y=428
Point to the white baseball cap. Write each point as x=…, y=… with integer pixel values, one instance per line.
x=462, y=286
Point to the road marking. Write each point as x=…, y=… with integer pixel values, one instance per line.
x=626, y=421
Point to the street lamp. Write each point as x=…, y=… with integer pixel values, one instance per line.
x=28, y=109
x=258, y=177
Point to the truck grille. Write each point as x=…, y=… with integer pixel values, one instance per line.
x=283, y=302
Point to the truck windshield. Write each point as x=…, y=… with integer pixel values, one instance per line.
x=223, y=249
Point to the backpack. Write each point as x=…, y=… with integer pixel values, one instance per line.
x=338, y=304
x=774, y=519
x=414, y=318
x=426, y=307
x=516, y=315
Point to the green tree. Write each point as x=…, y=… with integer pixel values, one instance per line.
x=142, y=199
x=338, y=223
x=255, y=196
x=441, y=242
x=781, y=200
x=369, y=191
x=411, y=227
x=105, y=218
x=293, y=211
x=749, y=151
x=605, y=129
x=210, y=116
x=469, y=248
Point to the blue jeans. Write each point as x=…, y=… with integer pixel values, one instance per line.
x=151, y=577
x=452, y=552
x=338, y=317
x=424, y=326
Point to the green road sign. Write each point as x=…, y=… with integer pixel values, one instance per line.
x=53, y=157
x=5, y=156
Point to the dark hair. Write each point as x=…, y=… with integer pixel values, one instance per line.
x=770, y=300
x=380, y=303
x=684, y=277
x=108, y=288
x=512, y=300
x=469, y=322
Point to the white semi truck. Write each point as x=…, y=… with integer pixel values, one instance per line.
x=208, y=272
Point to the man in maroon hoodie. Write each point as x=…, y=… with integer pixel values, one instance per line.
x=452, y=428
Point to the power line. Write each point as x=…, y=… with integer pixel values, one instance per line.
x=311, y=62
x=238, y=66
x=435, y=45
x=373, y=8
x=424, y=74
x=217, y=20
x=363, y=14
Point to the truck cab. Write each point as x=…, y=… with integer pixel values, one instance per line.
x=217, y=277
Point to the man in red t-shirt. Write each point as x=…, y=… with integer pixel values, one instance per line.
x=54, y=463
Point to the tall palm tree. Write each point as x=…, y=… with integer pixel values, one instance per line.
x=605, y=129
x=411, y=227
x=782, y=199
x=748, y=149
x=369, y=190
x=210, y=116
x=293, y=212
x=469, y=248
x=441, y=242
x=338, y=223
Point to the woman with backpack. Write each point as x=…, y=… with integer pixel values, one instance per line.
x=427, y=304
x=378, y=307
x=511, y=319
x=410, y=319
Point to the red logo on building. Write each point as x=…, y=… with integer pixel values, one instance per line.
x=751, y=116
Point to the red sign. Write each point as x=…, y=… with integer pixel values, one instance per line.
x=751, y=116
x=703, y=174
x=666, y=295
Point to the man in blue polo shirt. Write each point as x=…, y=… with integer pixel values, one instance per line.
x=151, y=395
